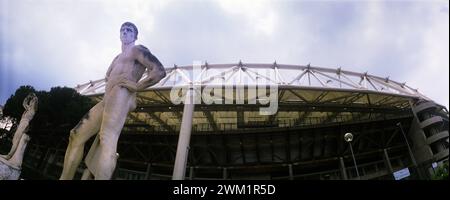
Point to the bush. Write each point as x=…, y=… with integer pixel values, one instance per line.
x=441, y=172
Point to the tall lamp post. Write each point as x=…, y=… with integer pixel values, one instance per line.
x=348, y=137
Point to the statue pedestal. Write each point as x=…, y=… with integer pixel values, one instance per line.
x=8, y=173
x=10, y=169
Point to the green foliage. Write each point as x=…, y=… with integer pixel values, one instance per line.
x=441, y=172
x=13, y=106
x=66, y=106
x=61, y=107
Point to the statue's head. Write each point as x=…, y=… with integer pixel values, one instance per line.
x=128, y=32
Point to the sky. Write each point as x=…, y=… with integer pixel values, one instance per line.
x=52, y=43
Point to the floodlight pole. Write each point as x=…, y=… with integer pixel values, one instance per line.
x=354, y=160
x=348, y=137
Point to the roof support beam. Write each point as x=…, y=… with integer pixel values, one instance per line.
x=161, y=122
x=319, y=107
x=298, y=95
x=140, y=96
x=354, y=98
x=392, y=137
x=384, y=100
x=211, y=121
x=162, y=97
x=338, y=98
x=321, y=96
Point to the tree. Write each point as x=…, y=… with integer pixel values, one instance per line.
x=62, y=107
x=13, y=107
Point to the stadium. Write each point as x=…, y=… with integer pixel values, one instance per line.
x=393, y=126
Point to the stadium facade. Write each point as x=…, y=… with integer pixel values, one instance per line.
x=394, y=126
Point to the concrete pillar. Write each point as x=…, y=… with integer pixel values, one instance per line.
x=342, y=168
x=224, y=173
x=291, y=172
x=179, y=169
x=49, y=161
x=387, y=161
x=191, y=173
x=411, y=155
x=148, y=172
x=354, y=161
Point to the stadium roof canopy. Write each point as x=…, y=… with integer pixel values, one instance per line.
x=304, y=93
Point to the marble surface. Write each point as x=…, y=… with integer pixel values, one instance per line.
x=8, y=173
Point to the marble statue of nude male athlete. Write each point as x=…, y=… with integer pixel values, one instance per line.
x=108, y=116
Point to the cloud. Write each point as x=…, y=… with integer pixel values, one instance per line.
x=430, y=66
x=53, y=42
x=65, y=42
x=259, y=15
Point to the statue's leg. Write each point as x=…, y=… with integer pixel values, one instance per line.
x=16, y=160
x=88, y=126
x=86, y=175
x=115, y=113
x=23, y=124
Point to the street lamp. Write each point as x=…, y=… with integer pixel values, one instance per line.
x=348, y=137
